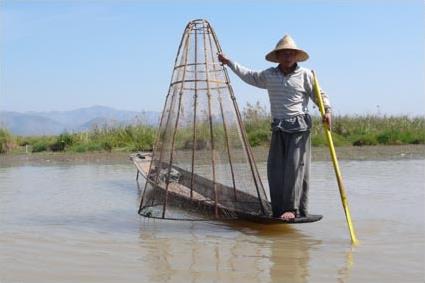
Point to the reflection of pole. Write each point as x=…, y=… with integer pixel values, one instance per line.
x=345, y=271
x=344, y=199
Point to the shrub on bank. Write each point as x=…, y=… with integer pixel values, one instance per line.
x=63, y=140
x=6, y=140
x=259, y=136
x=256, y=120
x=40, y=146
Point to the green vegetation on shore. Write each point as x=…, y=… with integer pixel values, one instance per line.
x=347, y=130
x=129, y=139
x=7, y=141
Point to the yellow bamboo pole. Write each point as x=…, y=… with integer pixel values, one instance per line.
x=344, y=199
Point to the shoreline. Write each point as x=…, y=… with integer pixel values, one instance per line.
x=377, y=152
x=359, y=153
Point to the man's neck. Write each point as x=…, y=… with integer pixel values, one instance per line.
x=287, y=70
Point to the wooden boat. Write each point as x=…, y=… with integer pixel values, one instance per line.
x=200, y=199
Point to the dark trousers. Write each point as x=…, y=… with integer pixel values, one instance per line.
x=288, y=170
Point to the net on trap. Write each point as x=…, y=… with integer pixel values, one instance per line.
x=202, y=166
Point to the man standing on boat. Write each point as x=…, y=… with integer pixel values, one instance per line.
x=289, y=87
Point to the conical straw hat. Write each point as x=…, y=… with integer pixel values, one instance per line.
x=287, y=43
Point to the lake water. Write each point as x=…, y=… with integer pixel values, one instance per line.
x=78, y=223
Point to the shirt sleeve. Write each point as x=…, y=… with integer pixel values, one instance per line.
x=325, y=98
x=254, y=78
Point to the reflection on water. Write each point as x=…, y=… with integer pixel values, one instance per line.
x=227, y=253
x=79, y=223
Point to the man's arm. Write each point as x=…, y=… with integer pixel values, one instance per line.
x=250, y=77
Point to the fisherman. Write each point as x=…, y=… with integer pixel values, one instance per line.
x=290, y=87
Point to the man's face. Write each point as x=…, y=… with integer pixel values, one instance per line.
x=287, y=57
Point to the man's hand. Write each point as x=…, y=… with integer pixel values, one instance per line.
x=223, y=59
x=327, y=119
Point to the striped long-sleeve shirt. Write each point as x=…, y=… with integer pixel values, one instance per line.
x=289, y=95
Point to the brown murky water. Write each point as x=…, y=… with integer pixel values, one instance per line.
x=73, y=222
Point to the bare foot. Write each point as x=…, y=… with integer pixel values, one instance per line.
x=289, y=215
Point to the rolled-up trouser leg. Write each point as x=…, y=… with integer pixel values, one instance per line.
x=288, y=171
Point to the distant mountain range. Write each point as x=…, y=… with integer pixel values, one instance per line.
x=83, y=119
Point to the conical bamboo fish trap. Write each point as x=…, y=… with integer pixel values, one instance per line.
x=202, y=165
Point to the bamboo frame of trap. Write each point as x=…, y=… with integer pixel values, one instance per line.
x=195, y=77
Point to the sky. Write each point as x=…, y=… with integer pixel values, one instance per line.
x=61, y=55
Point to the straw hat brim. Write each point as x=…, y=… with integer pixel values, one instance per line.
x=301, y=55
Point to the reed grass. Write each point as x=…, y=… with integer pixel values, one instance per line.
x=7, y=141
x=128, y=138
x=346, y=130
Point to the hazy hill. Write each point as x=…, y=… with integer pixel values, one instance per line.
x=56, y=122
x=27, y=124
